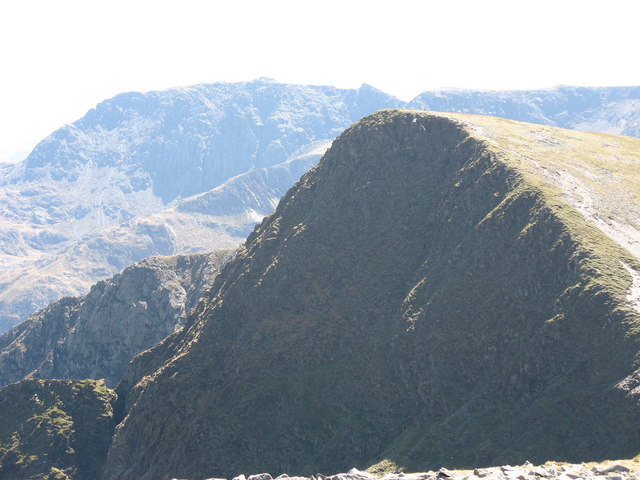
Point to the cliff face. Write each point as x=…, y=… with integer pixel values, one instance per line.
x=57, y=430
x=97, y=335
x=430, y=291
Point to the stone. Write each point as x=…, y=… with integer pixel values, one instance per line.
x=481, y=472
x=260, y=476
x=444, y=473
x=539, y=472
x=614, y=468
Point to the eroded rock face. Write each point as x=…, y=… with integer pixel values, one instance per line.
x=424, y=294
x=57, y=429
x=97, y=335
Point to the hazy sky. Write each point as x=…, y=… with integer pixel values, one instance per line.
x=59, y=58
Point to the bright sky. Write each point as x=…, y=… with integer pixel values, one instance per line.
x=60, y=58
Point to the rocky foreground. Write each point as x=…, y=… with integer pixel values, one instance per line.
x=609, y=470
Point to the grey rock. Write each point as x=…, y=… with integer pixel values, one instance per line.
x=539, y=472
x=612, y=469
x=260, y=476
x=354, y=472
x=97, y=335
x=481, y=472
x=568, y=476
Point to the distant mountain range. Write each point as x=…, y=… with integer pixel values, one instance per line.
x=194, y=169
x=125, y=181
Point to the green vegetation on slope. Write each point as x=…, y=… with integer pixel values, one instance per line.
x=426, y=295
x=54, y=429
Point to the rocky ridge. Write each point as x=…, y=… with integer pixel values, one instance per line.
x=606, y=109
x=427, y=295
x=96, y=336
x=124, y=169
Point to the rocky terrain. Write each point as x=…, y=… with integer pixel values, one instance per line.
x=435, y=292
x=620, y=470
x=116, y=186
x=57, y=430
x=96, y=336
x=442, y=291
x=609, y=110
x=194, y=169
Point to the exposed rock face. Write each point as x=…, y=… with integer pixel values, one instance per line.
x=57, y=429
x=428, y=294
x=97, y=335
x=115, y=173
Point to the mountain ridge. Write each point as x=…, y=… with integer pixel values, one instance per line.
x=114, y=171
x=389, y=310
x=95, y=336
x=132, y=155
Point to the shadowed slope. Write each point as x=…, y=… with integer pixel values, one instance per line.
x=424, y=291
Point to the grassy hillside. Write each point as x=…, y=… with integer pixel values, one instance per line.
x=54, y=429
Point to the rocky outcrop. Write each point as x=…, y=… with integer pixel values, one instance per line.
x=97, y=335
x=57, y=429
x=431, y=294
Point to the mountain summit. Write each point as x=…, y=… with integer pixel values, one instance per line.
x=441, y=289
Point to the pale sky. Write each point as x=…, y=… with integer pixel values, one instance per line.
x=60, y=58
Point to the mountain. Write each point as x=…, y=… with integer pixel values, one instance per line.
x=600, y=109
x=117, y=185
x=441, y=289
x=96, y=336
x=58, y=429
x=129, y=179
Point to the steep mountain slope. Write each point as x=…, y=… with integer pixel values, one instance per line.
x=96, y=336
x=604, y=109
x=439, y=289
x=58, y=429
x=116, y=170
